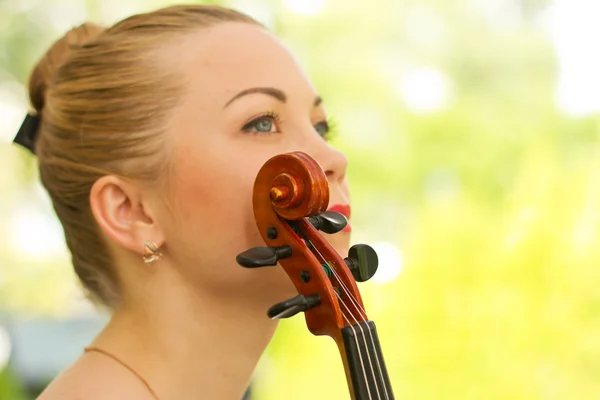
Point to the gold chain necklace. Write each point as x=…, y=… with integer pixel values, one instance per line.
x=141, y=378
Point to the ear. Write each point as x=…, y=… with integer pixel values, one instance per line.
x=124, y=214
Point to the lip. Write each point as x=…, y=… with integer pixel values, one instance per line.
x=345, y=210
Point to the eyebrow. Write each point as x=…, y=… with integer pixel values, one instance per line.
x=269, y=91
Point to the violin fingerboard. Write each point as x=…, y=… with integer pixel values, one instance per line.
x=367, y=369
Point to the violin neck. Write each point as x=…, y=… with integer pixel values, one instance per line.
x=365, y=368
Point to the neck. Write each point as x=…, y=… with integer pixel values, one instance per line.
x=186, y=342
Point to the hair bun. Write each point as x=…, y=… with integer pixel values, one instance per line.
x=45, y=70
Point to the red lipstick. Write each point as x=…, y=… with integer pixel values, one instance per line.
x=345, y=211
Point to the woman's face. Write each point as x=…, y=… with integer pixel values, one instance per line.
x=246, y=100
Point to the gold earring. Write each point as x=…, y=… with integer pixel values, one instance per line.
x=152, y=253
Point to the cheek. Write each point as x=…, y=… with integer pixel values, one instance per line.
x=212, y=202
x=212, y=217
x=211, y=222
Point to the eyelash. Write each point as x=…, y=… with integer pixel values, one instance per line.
x=273, y=116
x=328, y=123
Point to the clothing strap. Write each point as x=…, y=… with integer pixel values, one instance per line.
x=140, y=377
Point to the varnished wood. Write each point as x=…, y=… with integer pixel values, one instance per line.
x=288, y=189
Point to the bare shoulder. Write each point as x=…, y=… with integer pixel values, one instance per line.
x=95, y=378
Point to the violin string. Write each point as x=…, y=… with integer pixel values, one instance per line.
x=354, y=301
x=377, y=362
x=362, y=365
x=350, y=324
x=363, y=314
x=358, y=348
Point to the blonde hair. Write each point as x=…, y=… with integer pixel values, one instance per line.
x=103, y=103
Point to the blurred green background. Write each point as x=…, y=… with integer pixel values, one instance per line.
x=472, y=131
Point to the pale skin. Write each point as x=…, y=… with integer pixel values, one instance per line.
x=194, y=323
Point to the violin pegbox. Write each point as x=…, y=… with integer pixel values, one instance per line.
x=290, y=199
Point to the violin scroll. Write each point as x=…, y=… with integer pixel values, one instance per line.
x=296, y=186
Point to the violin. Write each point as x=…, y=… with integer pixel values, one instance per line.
x=290, y=199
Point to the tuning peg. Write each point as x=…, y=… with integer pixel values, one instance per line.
x=362, y=261
x=293, y=306
x=329, y=222
x=263, y=256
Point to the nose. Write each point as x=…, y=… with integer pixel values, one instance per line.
x=334, y=162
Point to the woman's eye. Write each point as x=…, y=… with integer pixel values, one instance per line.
x=322, y=129
x=263, y=124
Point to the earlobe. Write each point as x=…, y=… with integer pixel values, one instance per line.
x=120, y=211
x=152, y=252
